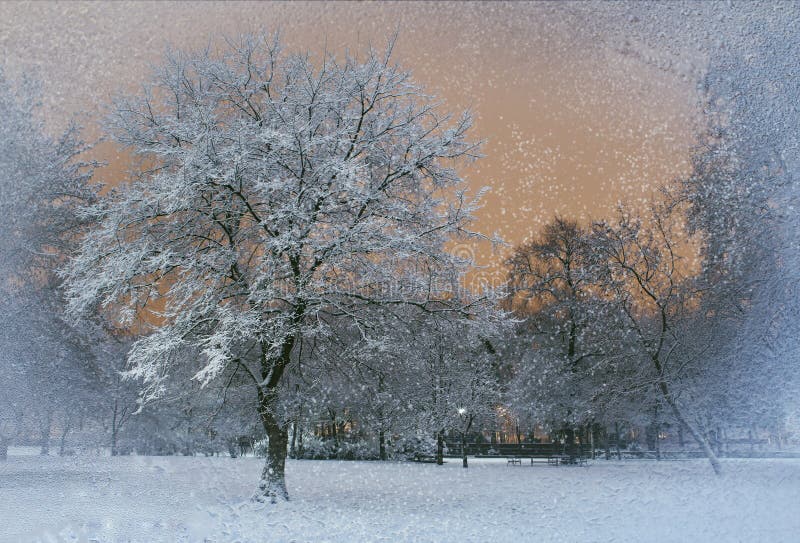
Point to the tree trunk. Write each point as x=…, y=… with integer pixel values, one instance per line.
x=300, y=448
x=701, y=440
x=469, y=420
x=616, y=440
x=382, y=421
x=698, y=436
x=650, y=436
x=293, y=448
x=440, y=447
x=63, y=444
x=335, y=430
x=272, y=486
x=115, y=423
x=569, y=440
x=658, y=441
x=233, y=450
x=293, y=445
x=656, y=429
x=114, y=449
x=44, y=433
x=382, y=444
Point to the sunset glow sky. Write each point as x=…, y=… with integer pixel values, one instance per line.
x=575, y=118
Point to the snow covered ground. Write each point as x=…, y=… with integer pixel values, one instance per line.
x=152, y=499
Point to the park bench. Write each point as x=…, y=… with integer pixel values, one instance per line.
x=533, y=457
x=640, y=453
x=425, y=458
x=550, y=453
x=550, y=458
x=569, y=459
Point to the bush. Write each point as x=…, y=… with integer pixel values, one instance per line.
x=407, y=448
x=360, y=450
x=315, y=448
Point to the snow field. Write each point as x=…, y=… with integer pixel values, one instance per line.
x=192, y=499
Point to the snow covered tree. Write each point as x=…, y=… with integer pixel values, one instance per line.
x=451, y=378
x=658, y=292
x=42, y=182
x=13, y=398
x=374, y=373
x=742, y=197
x=275, y=194
x=115, y=399
x=743, y=191
x=472, y=388
x=569, y=334
x=550, y=281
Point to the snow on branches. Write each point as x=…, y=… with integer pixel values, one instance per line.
x=274, y=192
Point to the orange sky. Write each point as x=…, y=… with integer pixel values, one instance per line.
x=573, y=122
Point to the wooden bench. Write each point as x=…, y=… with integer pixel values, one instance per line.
x=425, y=458
x=514, y=453
x=551, y=459
x=552, y=453
x=572, y=460
x=555, y=460
x=517, y=459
